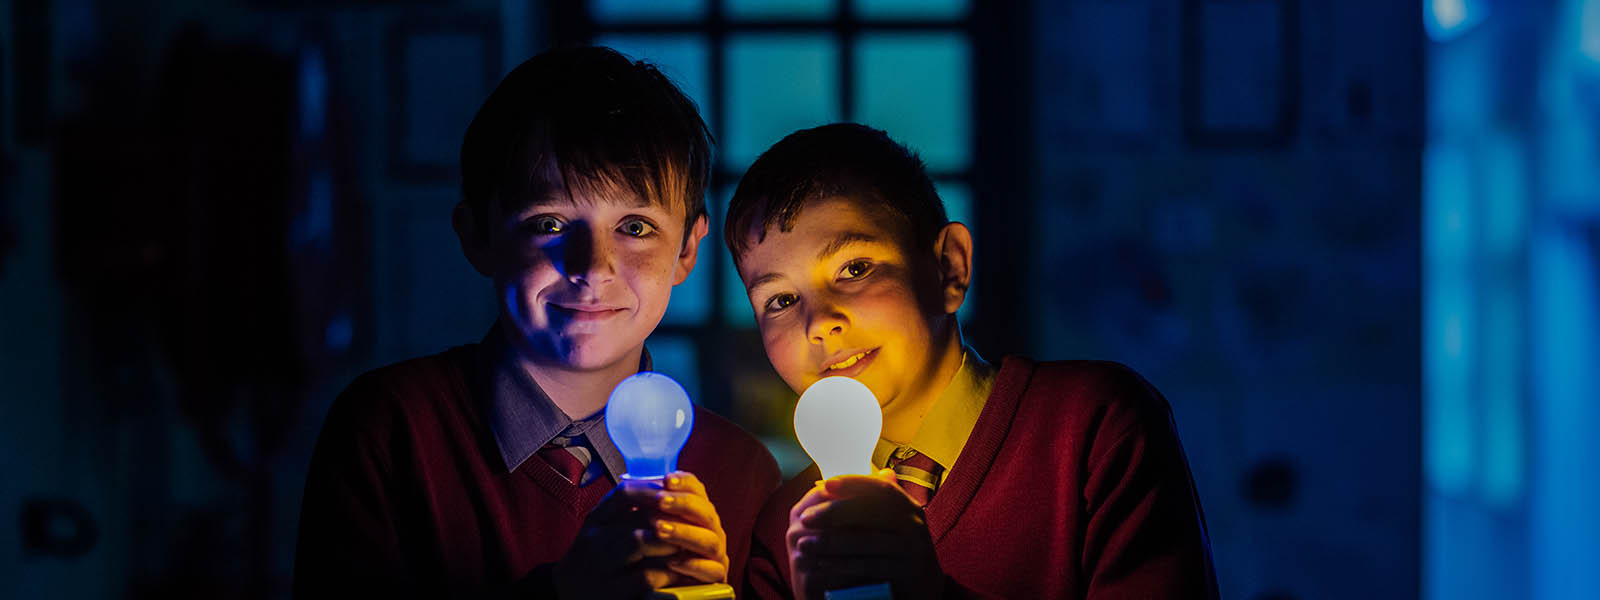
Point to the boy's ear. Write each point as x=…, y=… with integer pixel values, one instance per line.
x=474, y=244
x=953, y=249
x=691, y=250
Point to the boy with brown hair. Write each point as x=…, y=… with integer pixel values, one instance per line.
x=1020, y=479
x=487, y=470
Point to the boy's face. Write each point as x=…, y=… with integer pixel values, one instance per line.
x=584, y=280
x=839, y=294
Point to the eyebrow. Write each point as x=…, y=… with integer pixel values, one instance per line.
x=760, y=281
x=839, y=242
x=545, y=200
x=544, y=193
x=843, y=240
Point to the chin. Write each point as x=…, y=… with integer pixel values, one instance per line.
x=589, y=356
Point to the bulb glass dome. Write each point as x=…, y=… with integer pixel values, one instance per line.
x=838, y=422
x=649, y=417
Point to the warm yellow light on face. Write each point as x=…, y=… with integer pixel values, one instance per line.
x=838, y=423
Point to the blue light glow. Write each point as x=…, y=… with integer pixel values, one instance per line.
x=1501, y=370
x=1511, y=323
x=1564, y=524
x=1447, y=19
x=1449, y=334
x=1589, y=32
x=1504, y=449
x=649, y=417
x=313, y=94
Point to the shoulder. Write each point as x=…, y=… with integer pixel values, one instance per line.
x=375, y=400
x=1097, y=400
x=1080, y=386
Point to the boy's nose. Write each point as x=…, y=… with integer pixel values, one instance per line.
x=826, y=321
x=589, y=257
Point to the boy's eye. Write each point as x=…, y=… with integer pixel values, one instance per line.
x=548, y=224
x=637, y=228
x=781, y=301
x=856, y=270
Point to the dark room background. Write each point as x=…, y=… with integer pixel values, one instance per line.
x=1354, y=243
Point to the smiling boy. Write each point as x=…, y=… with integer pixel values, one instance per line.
x=1017, y=480
x=487, y=470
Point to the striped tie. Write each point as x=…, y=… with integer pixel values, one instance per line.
x=570, y=456
x=918, y=474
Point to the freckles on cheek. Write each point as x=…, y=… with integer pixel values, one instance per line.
x=790, y=356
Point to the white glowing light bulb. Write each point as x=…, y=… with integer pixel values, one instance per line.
x=838, y=422
x=649, y=417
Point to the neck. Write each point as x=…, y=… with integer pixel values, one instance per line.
x=903, y=417
x=579, y=393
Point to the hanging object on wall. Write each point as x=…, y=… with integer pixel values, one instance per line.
x=1240, y=72
x=438, y=70
x=57, y=527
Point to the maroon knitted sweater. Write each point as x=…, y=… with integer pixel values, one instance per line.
x=1073, y=485
x=408, y=496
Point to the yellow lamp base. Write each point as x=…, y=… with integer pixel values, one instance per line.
x=709, y=591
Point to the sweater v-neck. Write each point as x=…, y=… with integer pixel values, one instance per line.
x=993, y=425
x=580, y=499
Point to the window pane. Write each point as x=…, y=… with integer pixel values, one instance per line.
x=444, y=83
x=684, y=59
x=917, y=87
x=1241, y=59
x=675, y=356
x=779, y=9
x=612, y=11
x=911, y=9
x=776, y=85
x=736, y=310
x=691, y=300
x=957, y=198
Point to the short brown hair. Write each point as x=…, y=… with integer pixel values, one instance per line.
x=842, y=159
x=595, y=119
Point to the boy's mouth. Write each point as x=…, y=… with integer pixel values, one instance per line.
x=848, y=364
x=586, y=312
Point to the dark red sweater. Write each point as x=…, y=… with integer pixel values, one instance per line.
x=408, y=496
x=1073, y=485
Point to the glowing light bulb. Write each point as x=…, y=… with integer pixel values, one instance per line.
x=649, y=417
x=838, y=422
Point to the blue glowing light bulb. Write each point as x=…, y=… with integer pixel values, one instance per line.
x=649, y=417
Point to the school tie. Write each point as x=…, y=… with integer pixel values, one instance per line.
x=569, y=455
x=918, y=474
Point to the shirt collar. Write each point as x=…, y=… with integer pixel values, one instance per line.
x=949, y=422
x=523, y=418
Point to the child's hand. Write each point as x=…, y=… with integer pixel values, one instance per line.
x=859, y=530
x=687, y=520
x=800, y=579
x=616, y=553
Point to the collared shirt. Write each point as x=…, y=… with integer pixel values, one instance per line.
x=525, y=419
x=949, y=422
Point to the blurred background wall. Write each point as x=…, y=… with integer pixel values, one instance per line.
x=1354, y=243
